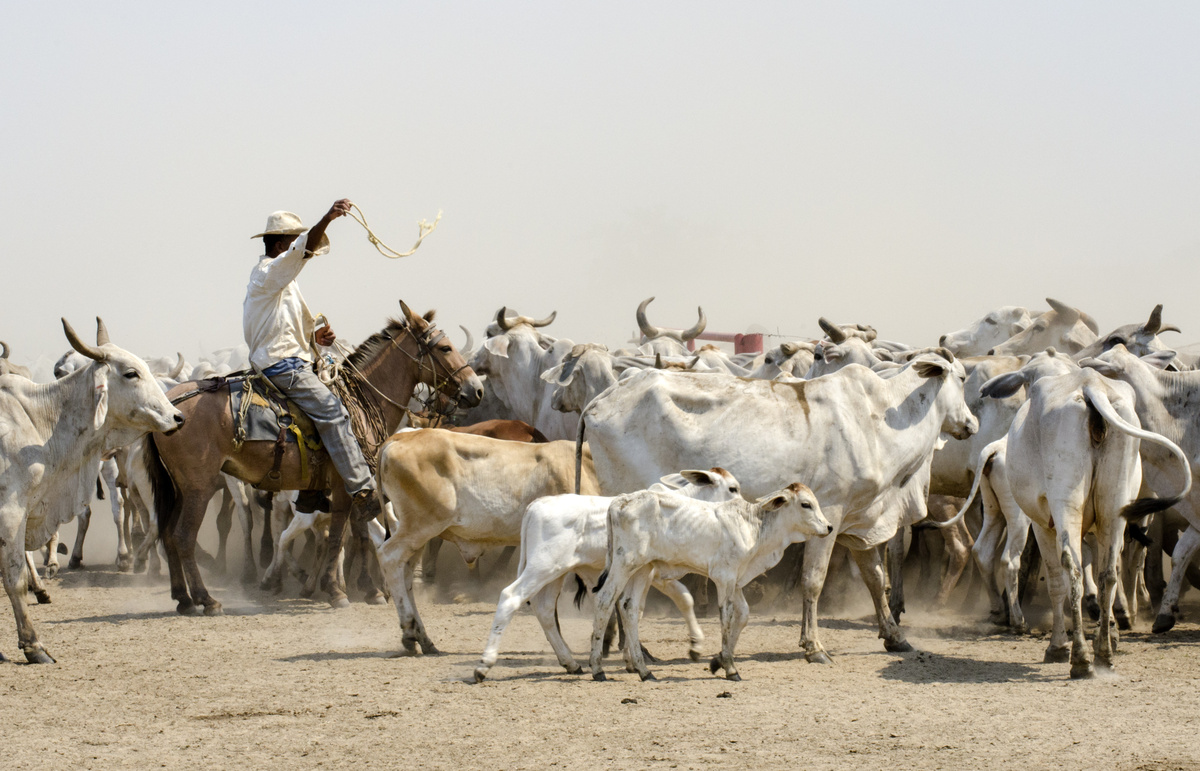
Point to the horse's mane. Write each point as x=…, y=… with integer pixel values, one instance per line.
x=366, y=352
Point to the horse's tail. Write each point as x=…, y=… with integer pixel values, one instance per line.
x=167, y=503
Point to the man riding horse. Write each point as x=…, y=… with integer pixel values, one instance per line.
x=281, y=332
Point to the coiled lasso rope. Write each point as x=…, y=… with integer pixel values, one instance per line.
x=425, y=229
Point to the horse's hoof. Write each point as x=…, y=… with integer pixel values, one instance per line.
x=38, y=655
x=187, y=609
x=818, y=657
x=1093, y=608
x=898, y=646
x=75, y=563
x=694, y=654
x=1059, y=655
x=339, y=602
x=714, y=665
x=599, y=677
x=43, y=597
x=1164, y=622
x=214, y=609
x=375, y=598
x=647, y=676
x=1082, y=671
x=734, y=676
x=480, y=674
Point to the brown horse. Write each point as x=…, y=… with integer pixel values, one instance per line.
x=185, y=468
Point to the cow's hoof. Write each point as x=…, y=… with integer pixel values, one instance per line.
x=714, y=664
x=1123, y=622
x=647, y=676
x=599, y=677
x=43, y=596
x=430, y=650
x=575, y=670
x=1104, y=665
x=734, y=676
x=139, y=566
x=1164, y=622
x=1060, y=655
x=818, y=657
x=339, y=602
x=75, y=563
x=480, y=674
x=410, y=647
x=694, y=654
x=187, y=609
x=3, y=658
x=1018, y=629
x=1082, y=671
x=37, y=655
x=375, y=598
x=51, y=570
x=124, y=565
x=1093, y=608
x=649, y=656
x=214, y=609
x=897, y=646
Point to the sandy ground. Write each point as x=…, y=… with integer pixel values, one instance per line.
x=291, y=683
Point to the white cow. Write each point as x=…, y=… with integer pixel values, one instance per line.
x=1073, y=465
x=792, y=359
x=1062, y=327
x=52, y=437
x=1138, y=339
x=666, y=342
x=563, y=534
x=861, y=442
x=668, y=535
x=986, y=333
x=9, y=368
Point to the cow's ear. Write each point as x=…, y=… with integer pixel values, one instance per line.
x=673, y=481
x=883, y=354
x=1020, y=325
x=833, y=353
x=1004, y=385
x=497, y=346
x=699, y=477
x=926, y=368
x=100, y=386
x=775, y=502
x=1159, y=359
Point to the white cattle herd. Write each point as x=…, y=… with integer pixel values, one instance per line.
x=632, y=468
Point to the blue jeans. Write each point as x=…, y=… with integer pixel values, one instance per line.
x=297, y=380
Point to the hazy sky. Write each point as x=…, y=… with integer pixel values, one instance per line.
x=904, y=165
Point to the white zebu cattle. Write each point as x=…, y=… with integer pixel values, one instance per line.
x=859, y=441
x=563, y=534
x=1062, y=327
x=986, y=333
x=513, y=362
x=1167, y=403
x=9, y=368
x=1073, y=464
x=469, y=490
x=1138, y=339
x=51, y=439
x=842, y=348
x=665, y=534
x=666, y=342
x=792, y=359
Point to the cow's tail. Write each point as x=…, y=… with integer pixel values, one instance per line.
x=985, y=458
x=608, y=551
x=580, y=591
x=1140, y=507
x=99, y=489
x=579, y=453
x=166, y=504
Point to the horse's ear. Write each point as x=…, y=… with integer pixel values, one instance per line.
x=429, y=315
x=408, y=314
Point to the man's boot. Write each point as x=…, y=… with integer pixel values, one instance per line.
x=365, y=506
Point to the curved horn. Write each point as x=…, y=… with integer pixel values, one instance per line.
x=1068, y=313
x=836, y=335
x=790, y=349
x=4, y=345
x=644, y=325
x=502, y=319
x=92, y=353
x=1154, y=323
x=1169, y=328
x=544, y=322
x=101, y=332
x=470, y=339
x=693, y=332
x=178, y=370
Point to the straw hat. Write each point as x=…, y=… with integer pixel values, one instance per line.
x=284, y=223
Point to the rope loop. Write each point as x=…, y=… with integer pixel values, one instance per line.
x=424, y=228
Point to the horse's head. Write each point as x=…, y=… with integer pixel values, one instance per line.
x=442, y=367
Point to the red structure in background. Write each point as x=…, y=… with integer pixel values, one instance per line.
x=748, y=343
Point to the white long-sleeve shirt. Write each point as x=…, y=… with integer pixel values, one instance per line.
x=275, y=319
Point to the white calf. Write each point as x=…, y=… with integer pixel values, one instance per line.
x=563, y=534
x=731, y=542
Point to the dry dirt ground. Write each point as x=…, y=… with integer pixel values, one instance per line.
x=290, y=683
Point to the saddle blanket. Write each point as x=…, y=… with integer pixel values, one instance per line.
x=267, y=414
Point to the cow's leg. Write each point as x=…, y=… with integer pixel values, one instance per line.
x=1090, y=590
x=272, y=579
x=682, y=598
x=429, y=560
x=266, y=541
x=1120, y=613
x=545, y=607
x=1058, y=651
x=84, y=518
x=51, y=561
x=224, y=525
x=360, y=543
x=35, y=582
x=986, y=552
x=630, y=608
x=528, y=584
x=397, y=559
x=1185, y=550
x=958, y=554
x=236, y=495
x=735, y=612
x=614, y=580
x=1069, y=553
x=871, y=568
x=895, y=572
x=817, y=552
x=108, y=474
x=1010, y=568
x=1109, y=554
x=1156, y=583
x=12, y=570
